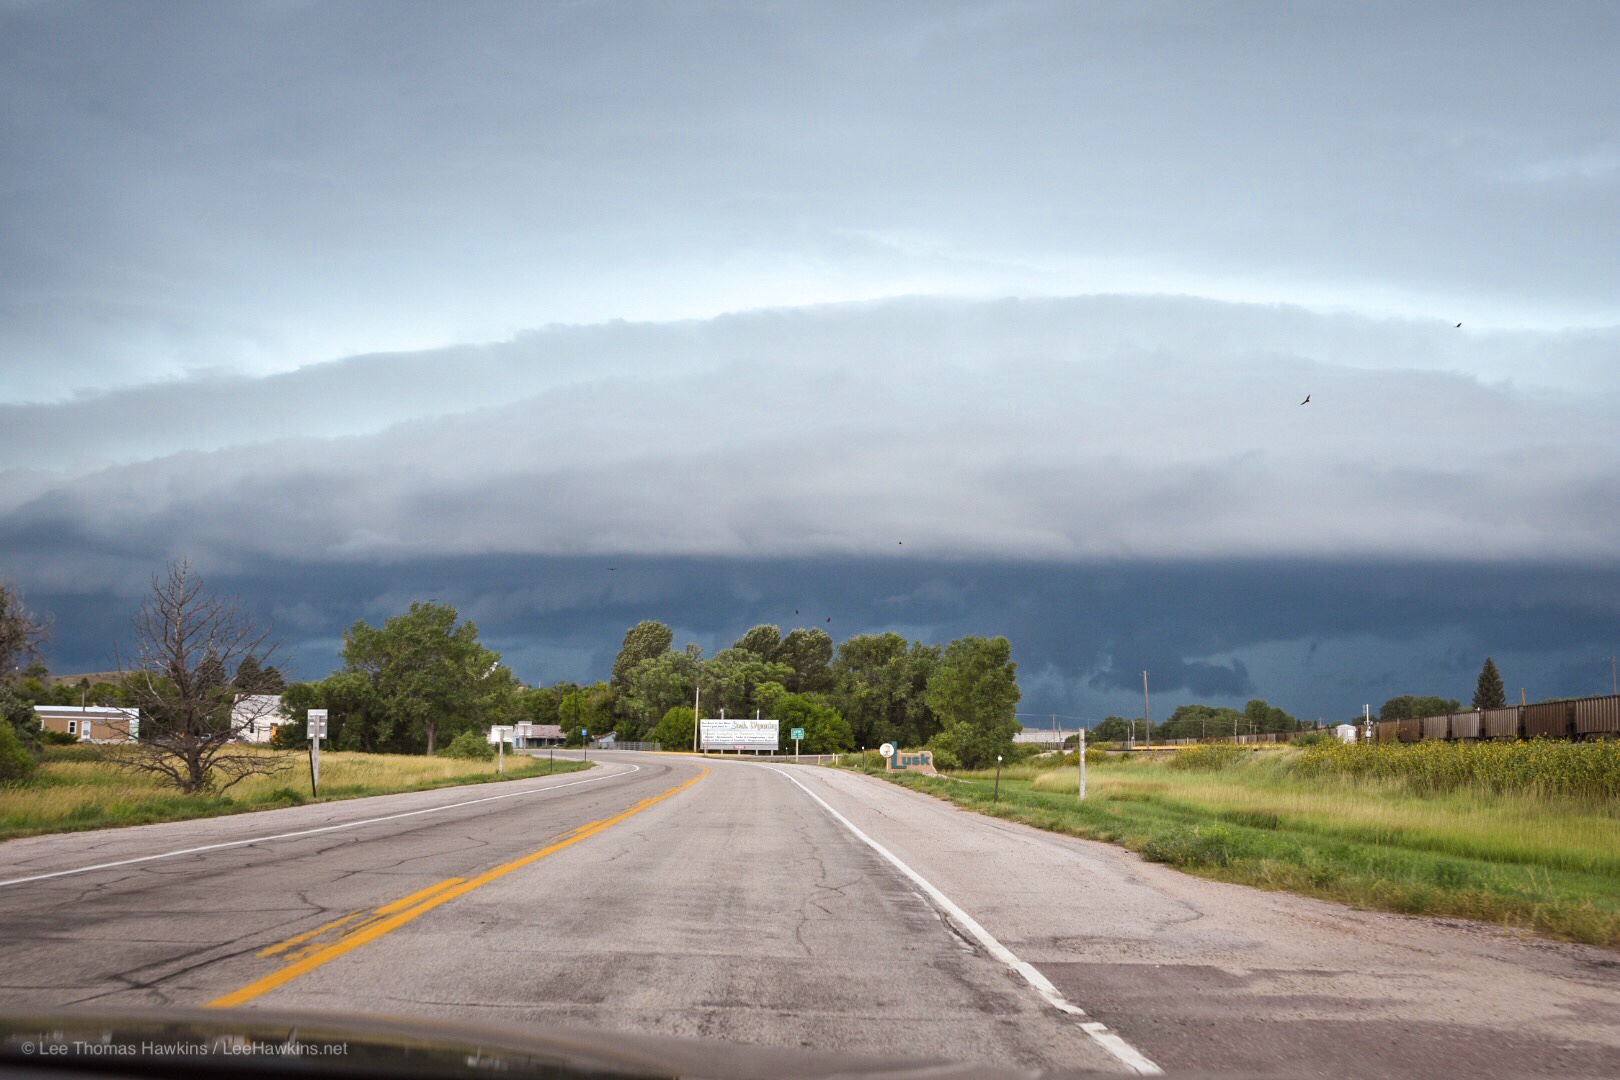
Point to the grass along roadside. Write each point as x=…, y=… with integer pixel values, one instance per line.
x=1546, y=864
x=74, y=789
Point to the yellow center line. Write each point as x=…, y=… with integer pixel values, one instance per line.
x=317, y=932
x=438, y=895
x=402, y=904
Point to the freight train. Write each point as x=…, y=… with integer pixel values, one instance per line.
x=1577, y=718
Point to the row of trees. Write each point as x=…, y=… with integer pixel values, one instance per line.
x=422, y=678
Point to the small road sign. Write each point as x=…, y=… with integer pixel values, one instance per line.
x=796, y=733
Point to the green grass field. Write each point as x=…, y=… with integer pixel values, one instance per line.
x=1385, y=838
x=74, y=789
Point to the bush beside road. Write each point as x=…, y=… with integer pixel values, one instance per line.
x=77, y=788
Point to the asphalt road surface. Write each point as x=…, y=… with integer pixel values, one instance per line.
x=787, y=906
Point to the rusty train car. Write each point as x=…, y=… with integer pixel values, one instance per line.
x=1576, y=718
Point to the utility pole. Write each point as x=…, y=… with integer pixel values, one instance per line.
x=1147, y=717
x=697, y=705
x=1614, y=680
x=1521, y=697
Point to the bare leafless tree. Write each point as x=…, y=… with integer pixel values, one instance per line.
x=188, y=713
x=21, y=633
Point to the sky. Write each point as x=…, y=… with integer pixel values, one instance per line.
x=937, y=318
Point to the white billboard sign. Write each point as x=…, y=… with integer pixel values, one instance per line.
x=745, y=733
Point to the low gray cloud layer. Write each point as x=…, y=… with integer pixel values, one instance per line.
x=1030, y=430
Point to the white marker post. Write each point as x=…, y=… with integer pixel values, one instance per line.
x=317, y=732
x=500, y=751
x=1082, y=755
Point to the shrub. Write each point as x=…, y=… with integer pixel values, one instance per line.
x=1202, y=845
x=1210, y=757
x=471, y=745
x=944, y=759
x=57, y=738
x=16, y=763
x=1314, y=738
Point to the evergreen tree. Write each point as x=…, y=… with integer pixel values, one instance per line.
x=1489, y=693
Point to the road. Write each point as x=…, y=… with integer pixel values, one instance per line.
x=784, y=906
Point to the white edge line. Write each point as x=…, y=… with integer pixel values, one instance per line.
x=311, y=832
x=1100, y=1033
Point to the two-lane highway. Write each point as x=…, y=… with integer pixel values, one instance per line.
x=777, y=905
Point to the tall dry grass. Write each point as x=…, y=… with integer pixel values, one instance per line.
x=79, y=788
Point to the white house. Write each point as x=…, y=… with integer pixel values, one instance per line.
x=1345, y=732
x=255, y=717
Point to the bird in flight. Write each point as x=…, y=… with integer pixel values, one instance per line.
x=1307, y=400
x=1459, y=326
x=795, y=611
x=829, y=618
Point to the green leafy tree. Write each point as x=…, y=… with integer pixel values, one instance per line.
x=674, y=731
x=655, y=686
x=809, y=653
x=1489, y=693
x=590, y=708
x=825, y=732
x=643, y=641
x=18, y=715
x=731, y=677
x=762, y=641
x=879, y=684
x=1200, y=722
x=974, y=692
x=1112, y=729
x=430, y=675
x=16, y=761
x=1413, y=707
x=355, y=718
x=540, y=705
x=1261, y=718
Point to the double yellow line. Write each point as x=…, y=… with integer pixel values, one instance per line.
x=391, y=917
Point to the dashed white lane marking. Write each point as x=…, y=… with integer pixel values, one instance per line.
x=1127, y=1054
x=312, y=832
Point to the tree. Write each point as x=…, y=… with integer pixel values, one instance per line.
x=808, y=653
x=731, y=677
x=354, y=719
x=643, y=641
x=18, y=715
x=190, y=644
x=974, y=692
x=22, y=635
x=655, y=686
x=589, y=708
x=1413, y=707
x=251, y=673
x=674, y=731
x=762, y=641
x=879, y=684
x=1112, y=729
x=1489, y=693
x=429, y=675
x=1260, y=718
x=16, y=761
x=825, y=732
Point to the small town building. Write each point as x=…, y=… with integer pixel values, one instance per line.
x=525, y=735
x=255, y=717
x=1345, y=732
x=90, y=723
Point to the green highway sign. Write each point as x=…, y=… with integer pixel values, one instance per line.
x=796, y=733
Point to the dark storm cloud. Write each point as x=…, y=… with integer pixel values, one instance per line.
x=1082, y=634
x=256, y=187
